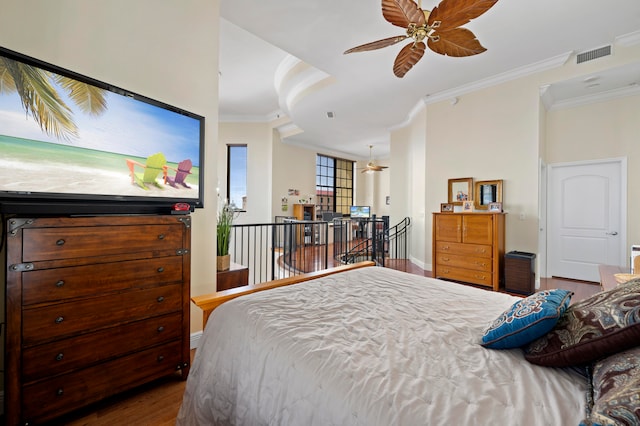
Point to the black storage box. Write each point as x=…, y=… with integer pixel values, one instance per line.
x=520, y=272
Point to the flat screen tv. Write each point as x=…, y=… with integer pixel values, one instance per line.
x=72, y=145
x=359, y=212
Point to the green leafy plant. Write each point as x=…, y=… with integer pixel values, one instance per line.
x=223, y=228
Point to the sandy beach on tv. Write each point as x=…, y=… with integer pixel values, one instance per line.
x=72, y=170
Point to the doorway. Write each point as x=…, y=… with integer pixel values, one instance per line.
x=587, y=208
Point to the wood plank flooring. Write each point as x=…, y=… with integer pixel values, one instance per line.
x=157, y=403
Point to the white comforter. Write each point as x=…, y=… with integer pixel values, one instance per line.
x=372, y=346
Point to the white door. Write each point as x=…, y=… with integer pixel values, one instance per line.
x=587, y=218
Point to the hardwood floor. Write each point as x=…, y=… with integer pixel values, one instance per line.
x=157, y=403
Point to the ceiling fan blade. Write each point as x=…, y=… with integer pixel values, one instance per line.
x=454, y=13
x=379, y=44
x=407, y=58
x=401, y=13
x=457, y=42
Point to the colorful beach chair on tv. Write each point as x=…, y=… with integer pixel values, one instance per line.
x=182, y=171
x=149, y=171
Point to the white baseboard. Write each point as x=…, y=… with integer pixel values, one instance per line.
x=195, y=340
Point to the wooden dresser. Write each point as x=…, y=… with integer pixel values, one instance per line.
x=95, y=306
x=469, y=247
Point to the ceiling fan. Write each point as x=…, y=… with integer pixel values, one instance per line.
x=371, y=165
x=441, y=28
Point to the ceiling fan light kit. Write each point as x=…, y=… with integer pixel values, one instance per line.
x=439, y=27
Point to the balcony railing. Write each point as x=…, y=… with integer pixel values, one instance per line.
x=291, y=247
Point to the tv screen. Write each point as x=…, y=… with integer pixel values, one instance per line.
x=360, y=212
x=74, y=145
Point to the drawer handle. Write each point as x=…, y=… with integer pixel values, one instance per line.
x=60, y=392
x=160, y=329
x=161, y=237
x=445, y=248
x=160, y=358
x=161, y=269
x=60, y=283
x=60, y=242
x=59, y=319
x=446, y=259
x=160, y=299
x=59, y=356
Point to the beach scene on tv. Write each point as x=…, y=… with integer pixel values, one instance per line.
x=63, y=136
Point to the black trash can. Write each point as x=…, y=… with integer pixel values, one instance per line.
x=520, y=272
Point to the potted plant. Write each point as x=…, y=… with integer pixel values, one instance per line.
x=223, y=233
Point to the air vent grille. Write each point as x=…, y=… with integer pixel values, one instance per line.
x=593, y=54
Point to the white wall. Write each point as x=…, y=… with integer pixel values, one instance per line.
x=164, y=50
x=257, y=137
x=501, y=132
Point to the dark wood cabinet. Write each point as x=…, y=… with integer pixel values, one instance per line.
x=95, y=306
x=235, y=276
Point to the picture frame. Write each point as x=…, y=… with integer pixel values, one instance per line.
x=486, y=192
x=446, y=208
x=460, y=190
x=495, y=207
x=467, y=206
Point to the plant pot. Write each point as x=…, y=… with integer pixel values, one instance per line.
x=223, y=262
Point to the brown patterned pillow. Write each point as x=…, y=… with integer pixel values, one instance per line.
x=616, y=390
x=605, y=323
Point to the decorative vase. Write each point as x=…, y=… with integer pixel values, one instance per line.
x=223, y=263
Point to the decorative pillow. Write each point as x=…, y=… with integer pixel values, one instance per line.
x=601, y=325
x=527, y=319
x=616, y=390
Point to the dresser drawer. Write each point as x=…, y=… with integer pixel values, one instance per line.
x=65, y=243
x=54, y=396
x=466, y=275
x=79, y=352
x=477, y=250
x=52, y=322
x=49, y=285
x=466, y=262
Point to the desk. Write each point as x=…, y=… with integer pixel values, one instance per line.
x=236, y=276
x=607, y=275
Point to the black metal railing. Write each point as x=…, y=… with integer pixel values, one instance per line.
x=291, y=247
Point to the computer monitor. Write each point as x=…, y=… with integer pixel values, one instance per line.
x=359, y=212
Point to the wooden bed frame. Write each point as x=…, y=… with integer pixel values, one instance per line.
x=208, y=302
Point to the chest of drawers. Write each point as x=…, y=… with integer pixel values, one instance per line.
x=95, y=306
x=469, y=247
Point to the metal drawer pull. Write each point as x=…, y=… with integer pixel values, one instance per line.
x=161, y=237
x=60, y=392
x=161, y=269
x=60, y=242
x=60, y=283
x=160, y=358
x=59, y=319
x=446, y=259
x=160, y=329
x=160, y=299
x=59, y=356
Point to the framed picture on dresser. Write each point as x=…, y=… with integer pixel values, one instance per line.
x=460, y=190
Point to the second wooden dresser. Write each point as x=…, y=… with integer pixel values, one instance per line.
x=469, y=247
x=95, y=306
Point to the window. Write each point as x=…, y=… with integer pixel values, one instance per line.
x=237, y=176
x=334, y=184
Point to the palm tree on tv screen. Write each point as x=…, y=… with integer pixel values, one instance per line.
x=41, y=100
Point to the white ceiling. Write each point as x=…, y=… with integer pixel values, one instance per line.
x=283, y=60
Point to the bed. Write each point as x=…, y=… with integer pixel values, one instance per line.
x=368, y=346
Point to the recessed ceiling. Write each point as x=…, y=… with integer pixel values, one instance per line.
x=361, y=90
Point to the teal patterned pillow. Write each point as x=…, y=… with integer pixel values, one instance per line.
x=527, y=319
x=616, y=390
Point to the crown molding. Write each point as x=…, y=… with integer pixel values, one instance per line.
x=597, y=97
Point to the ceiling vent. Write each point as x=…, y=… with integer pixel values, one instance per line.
x=593, y=54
